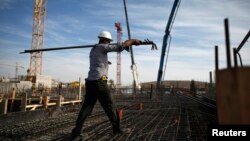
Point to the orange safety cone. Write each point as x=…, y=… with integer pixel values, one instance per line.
x=141, y=106
x=120, y=113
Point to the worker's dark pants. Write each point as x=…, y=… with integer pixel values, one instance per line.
x=97, y=89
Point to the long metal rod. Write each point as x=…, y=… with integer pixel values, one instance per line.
x=243, y=41
x=241, y=45
x=241, y=64
x=146, y=42
x=57, y=48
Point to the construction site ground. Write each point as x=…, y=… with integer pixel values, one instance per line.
x=162, y=118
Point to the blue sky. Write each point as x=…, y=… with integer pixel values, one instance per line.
x=198, y=27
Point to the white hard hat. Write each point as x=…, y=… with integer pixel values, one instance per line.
x=105, y=34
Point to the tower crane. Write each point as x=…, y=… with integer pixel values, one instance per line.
x=118, y=67
x=37, y=37
x=17, y=66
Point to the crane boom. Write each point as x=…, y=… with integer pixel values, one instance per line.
x=165, y=39
x=133, y=65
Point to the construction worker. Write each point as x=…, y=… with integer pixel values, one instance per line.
x=96, y=82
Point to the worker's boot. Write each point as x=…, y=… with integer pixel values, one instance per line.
x=116, y=125
x=117, y=131
x=75, y=132
x=121, y=131
x=81, y=137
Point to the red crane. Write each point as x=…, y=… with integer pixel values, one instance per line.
x=118, y=64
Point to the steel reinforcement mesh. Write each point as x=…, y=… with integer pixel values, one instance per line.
x=167, y=117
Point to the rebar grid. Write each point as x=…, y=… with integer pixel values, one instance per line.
x=172, y=117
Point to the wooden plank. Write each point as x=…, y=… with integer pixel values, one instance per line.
x=24, y=102
x=34, y=106
x=73, y=102
x=233, y=95
x=59, y=100
x=13, y=96
x=4, y=106
x=45, y=102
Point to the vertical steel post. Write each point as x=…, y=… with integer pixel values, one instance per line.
x=210, y=78
x=235, y=58
x=216, y=59
x=227, y=43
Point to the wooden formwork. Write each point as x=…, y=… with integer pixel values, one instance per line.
x=233, y=95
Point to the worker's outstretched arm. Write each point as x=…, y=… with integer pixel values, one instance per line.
x=131, y=42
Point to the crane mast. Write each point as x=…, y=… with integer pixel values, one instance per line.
x=37, y=37
x=118, y=63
